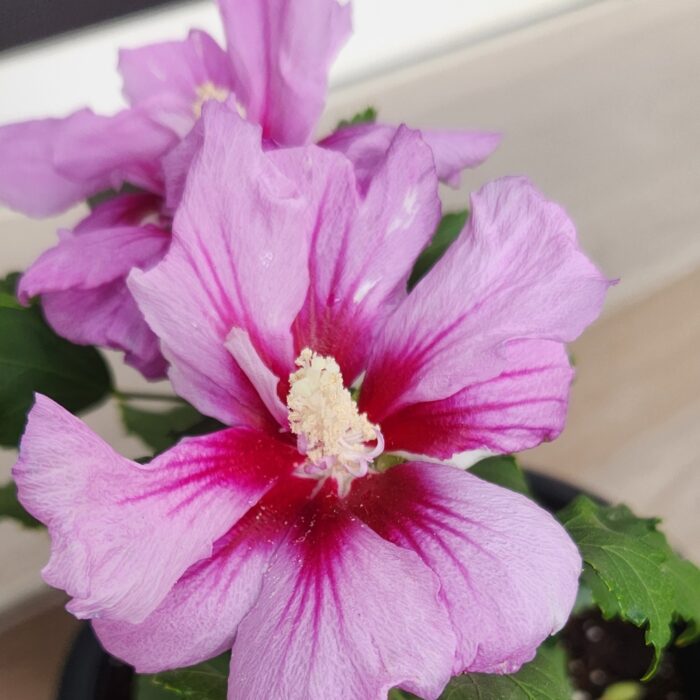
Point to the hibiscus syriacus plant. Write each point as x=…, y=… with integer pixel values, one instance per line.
x=330, y=511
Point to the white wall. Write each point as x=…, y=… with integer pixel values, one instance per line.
x=60, y=75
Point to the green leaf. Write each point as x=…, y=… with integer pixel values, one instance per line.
x=366, y=116
x=8, y=301
x=205, y=681
x=544, y=678
x=686, y=582
x=10, y=507
x=447, y=231
x=161, y=430
x=633, y=573
x=8, y=284
x=147, y=689
x=34, y=359
x=584, y=599
x=504, y=471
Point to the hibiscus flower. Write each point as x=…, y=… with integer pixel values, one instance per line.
x=274, y=72
x=326, y=537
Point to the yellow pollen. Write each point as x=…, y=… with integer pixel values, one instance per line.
x=208, y=91
x=322, y=411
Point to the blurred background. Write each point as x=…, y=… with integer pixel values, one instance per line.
x=599, y=103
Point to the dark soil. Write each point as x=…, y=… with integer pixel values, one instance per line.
x=602, y=653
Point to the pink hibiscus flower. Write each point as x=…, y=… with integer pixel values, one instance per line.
x=289, y=537
x=274, y=72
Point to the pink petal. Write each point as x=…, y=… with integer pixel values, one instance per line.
x=199, y=617
x=167, y=76
x=516, y=271
x=362, y=255
x=82, y=281
x=508, y=571
x=112, y=150
x=106, y=316
x=453, y=151
x=456, y=150
x=177, y=163
x=240, y=245
x=281, y=54
x=513, y=411
x=342, y=613
x=94, y=258
x=29, y=179
x=121, y=210
x=265, y=381
x=123, y=533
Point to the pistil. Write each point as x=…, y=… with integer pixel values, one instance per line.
x=338, y=440
x=205, y=92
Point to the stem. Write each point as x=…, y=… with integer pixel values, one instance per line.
x=145, y=396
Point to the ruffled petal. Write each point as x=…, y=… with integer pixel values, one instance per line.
x=508, y=571
x=29, y=179
x=94, y=258
x=123, y=533
x=199, y=617
x=128, y=209
x=513, y=411
x=126, y=147
x=456, y=150
x=240, y=244
x=281, y=54
x=342, y=613
x=453, y=151
x=515, y=272
x=82, y=281
x=173, y=78
x=106, y=316
x=360, y=262
x=177, y=163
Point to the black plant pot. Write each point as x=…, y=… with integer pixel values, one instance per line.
x=92, y=674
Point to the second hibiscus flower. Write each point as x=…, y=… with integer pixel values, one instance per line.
x=274, y=71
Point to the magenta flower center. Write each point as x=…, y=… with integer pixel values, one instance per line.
x=338, y=440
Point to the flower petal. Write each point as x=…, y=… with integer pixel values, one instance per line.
x=266, y=383
x=177, y=163
x=453, y=150
x=281, y=54
x=515, y=272
x=106, y=316
x=29, y=179
x=360, y=262
x=82, y=280
x=456, y=150
x=112, y=150
x=94, y=258
x=167, y=75
x=513, y=411
x=199, y=617
x=123, y=533
x=342, y=613
x=129, y=209
x=240, y=244
x=508, y=571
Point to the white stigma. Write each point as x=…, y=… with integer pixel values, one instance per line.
x=208, y=91
x=330, y=430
